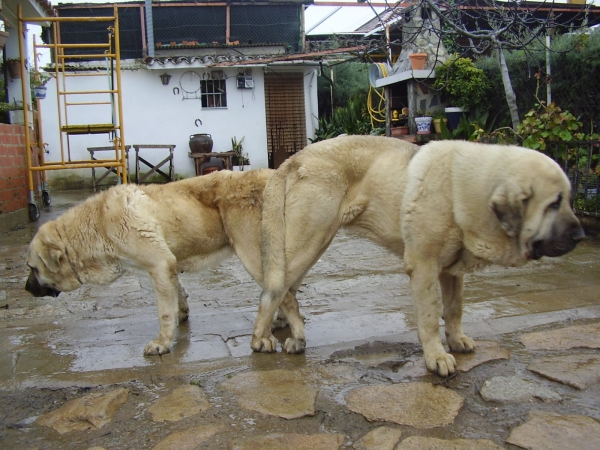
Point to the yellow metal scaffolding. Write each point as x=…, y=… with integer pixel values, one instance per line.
x=68, y=99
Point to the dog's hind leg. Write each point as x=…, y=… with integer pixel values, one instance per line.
x=262, y=338
x=291, y=308
x=166, y=287
x=452, y=298
x=184, y=309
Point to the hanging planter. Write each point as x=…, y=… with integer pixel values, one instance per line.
x=3, y=37
x=40, y=92
x=417, y=60
x=38, y=84
x=14, y=68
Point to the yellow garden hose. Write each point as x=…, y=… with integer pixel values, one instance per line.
x=378, y=113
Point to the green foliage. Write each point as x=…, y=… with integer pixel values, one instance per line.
x=548, y=123
x=42, y=79
x=466, y=85
x=240, y=158
x=14, y=106
x=350, y=119
x=575, y=61
x=351, y=79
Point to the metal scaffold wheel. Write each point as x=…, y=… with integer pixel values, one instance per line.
x=34, y=212
x=46, y=198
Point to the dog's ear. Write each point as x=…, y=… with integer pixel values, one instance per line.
x=508, y=202
x=51, y=256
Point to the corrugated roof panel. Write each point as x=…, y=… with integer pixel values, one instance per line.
x=326, y=20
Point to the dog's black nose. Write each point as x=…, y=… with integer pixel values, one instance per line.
x=34, y=287
x=578, y=234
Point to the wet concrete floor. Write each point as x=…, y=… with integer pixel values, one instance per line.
x=360, y=329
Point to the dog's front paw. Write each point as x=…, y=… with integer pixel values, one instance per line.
x=264, y=345
x=292, y=345
x=442, y=363
x=462, y=344
x=156, y=348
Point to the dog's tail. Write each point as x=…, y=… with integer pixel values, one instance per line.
x=273, y=232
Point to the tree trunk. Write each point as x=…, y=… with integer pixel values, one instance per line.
x=511, y=98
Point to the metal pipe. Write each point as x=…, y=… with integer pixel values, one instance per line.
x=150, y=28
x=548, y=71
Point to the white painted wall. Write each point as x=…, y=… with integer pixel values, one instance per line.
x=154, y=115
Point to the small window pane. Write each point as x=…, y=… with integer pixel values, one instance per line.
x=214, y=94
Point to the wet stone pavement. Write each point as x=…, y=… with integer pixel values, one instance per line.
x=72, y=374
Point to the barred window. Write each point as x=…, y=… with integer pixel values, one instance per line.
x=213, y=93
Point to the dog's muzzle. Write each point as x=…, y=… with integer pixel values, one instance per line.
x=558, y=247
x=34, y=287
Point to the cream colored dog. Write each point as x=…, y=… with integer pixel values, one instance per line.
x=161, y=229
x=450, y=208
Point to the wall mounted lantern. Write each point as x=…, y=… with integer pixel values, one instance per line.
x=165, y=78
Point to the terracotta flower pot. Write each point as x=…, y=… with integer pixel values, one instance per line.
x=417, y=60
x=399, y=131
x=14, y=68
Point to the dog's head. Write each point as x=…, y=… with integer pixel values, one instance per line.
x=50, y=268
x=534, y=206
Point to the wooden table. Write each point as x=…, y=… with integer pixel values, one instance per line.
x=200, y=158
x=154, y=168
x=109, y=170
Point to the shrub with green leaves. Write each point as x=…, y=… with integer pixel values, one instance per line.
x=548, y=123
x=350, y=119
x=466, y=85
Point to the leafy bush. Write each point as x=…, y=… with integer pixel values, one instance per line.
x=351, y=79
x=548, y=123
x=350, y=119
x=575, y=62
x=466, y=85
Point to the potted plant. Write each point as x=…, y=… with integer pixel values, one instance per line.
x=438, y=117
x=13, y=113
x=14, y=68
x=465, y=85
x=399, y=123
x=240, y=158
x=38, y=83
x=423, y=122
x=3, y=37
x=417, y=60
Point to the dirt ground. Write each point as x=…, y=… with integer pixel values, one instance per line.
x=360, y=332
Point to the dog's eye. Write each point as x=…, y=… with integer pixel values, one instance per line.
x=556, y=204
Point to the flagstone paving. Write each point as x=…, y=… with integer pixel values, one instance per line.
x=416, y=404
x=563, y=338
x=182, y=402
x=422, y=443
x=514, y=389
x=382, y=438
x=578, y=370
x=282, y=393
x=91, y=411
x=73, y=376
x=551, y=431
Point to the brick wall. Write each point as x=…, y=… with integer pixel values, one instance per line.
x=13, y=168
